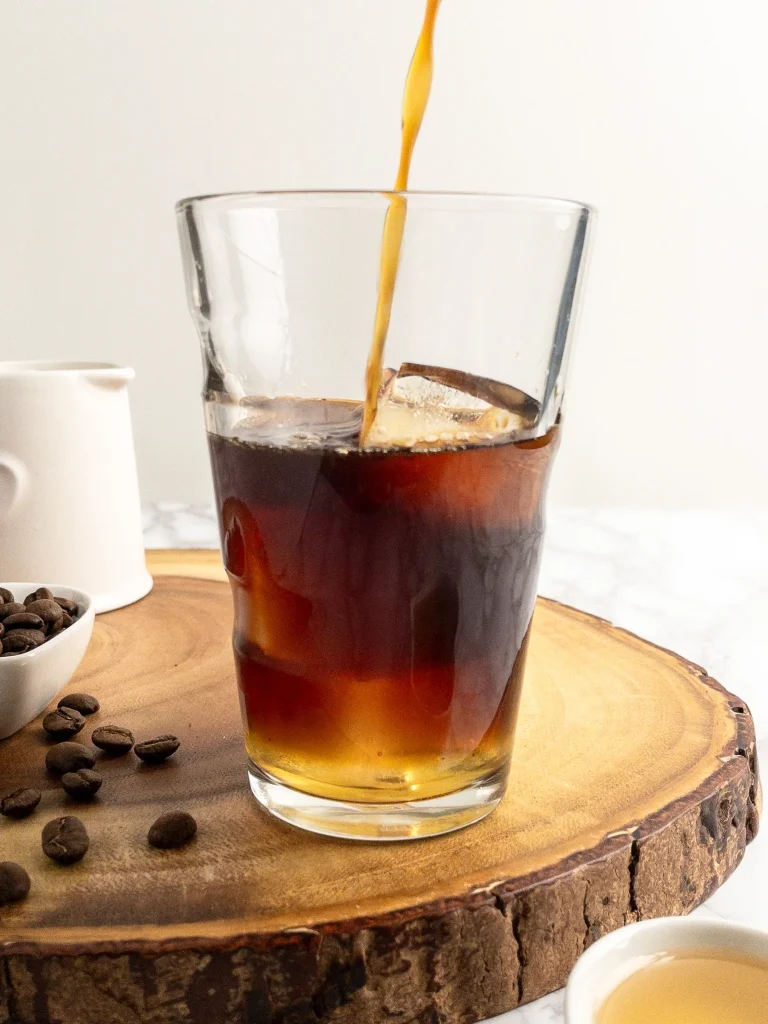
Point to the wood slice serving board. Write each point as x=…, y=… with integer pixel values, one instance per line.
x=633, y=793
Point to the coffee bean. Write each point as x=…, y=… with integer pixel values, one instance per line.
x=82, y=784
x=67, y=605
x=6, y=597
x=58, y=627
x=65, y=840
x=63, y=723
x=157, y=750
x=14, y=882
x=41, y=594
x=68, y=757
x=23, y=620
x=172, y=830
x=19, y=641
x=112, y=739
x=82, y=702
x=48, y=611
x=2, y=630
x=11, y=608
x=20, y=803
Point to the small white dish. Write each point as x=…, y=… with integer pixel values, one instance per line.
x=615, y=957
x=29, y=682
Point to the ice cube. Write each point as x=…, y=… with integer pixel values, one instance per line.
x=289, y=421
x=431, y=406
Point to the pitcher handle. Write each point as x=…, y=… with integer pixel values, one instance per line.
x=13, y=484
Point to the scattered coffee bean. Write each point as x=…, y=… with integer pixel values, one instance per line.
x=69, y=606
x=14, y=882
x=68, y=757
x=23, y=620
x=41, y=594
x=157, y=750
x=82, y=702
x=82, y=784
x=22, y=640
x=2, y=630
x=6, y=597
x=20, y=803
x=65, y=840
x=112, y=739
x=172, y=830
x=10, y=608
x=63, y=723
x=48, y=611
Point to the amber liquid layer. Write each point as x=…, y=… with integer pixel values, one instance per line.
x=696, y=986
x=382, y=608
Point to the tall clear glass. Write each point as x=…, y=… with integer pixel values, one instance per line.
x=383, y=585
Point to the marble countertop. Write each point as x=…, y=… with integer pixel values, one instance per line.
x=693, y=581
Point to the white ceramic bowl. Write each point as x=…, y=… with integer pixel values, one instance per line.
x=615, y=957
x=29, y=682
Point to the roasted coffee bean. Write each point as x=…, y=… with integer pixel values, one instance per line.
x=20, y=803
x=41, y=594
x=55, y=628
x=22, y=640
x=6, y=597
x=157, y=750
x=2, y=630
x=82, y=702
x=82, y=784
x=68, y=757
x=10, y=608
x=65, y=840
x=172, y=830
x=63, y=723
x=48, y=611
x=112, y=739
x=23, y=620
x=14, y=882
x=67, y=605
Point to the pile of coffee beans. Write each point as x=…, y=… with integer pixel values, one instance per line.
x=23, y=627
x=65, y=839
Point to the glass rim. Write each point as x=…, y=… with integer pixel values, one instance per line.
x=350, y=196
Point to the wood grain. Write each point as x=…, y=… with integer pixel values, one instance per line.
x=633, y=793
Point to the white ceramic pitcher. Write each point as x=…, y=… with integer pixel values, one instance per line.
x=69, y=494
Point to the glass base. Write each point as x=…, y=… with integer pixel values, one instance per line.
x=413, y=819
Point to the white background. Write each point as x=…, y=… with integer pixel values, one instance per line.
x=656, y=112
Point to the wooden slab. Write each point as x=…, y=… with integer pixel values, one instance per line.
x=633, y=793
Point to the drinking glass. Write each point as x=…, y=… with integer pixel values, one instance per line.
x=383, y=584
